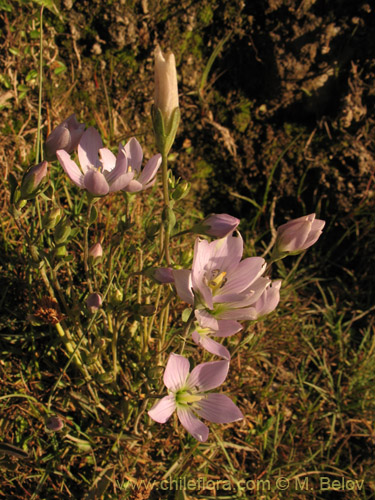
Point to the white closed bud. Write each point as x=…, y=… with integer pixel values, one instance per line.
x=166, y=89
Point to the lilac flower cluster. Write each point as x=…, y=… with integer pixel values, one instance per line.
x=223, y=289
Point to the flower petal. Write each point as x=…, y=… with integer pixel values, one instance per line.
x=70, y=167
x=150, y=169
x=95, y=183
x=134, y=154
x=218, y=408
x=211, y=345
x=225, y=254
x=88, y=149
x=269, y=299
x=206, y=320
x=207, y=376
x=202, y=256
x=227, y=328
x=241, y=314
x=316, y=230
x=182, y=281
x=134, y=186
x=108, y=159
x=163, y=409
x=240, y=278
x=121, y=182
x=192, y=424
x=176, y=372
x=121, y=167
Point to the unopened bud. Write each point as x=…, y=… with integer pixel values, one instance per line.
x=54, y=423
x=50, y=219
x=115, y=296
x=66, y=136
x=31, y=181
x=96, y=251
x=181, y=190
x=160, y=274
x=62, y=232
x=216, y=225
x=93, y=302
x=298, y=235
x=166, y=113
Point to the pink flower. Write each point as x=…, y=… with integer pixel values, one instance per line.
x=146, y=178
x=299, y=234
x=216, y=225
x=99, y=175
x=220, y=285
x=66, y=136
x=188, y=395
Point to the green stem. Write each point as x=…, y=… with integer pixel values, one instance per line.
x=38, y=148
x=186, y=330
x=164, y=166
x=86, y=247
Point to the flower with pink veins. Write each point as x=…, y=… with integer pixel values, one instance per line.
x=99, y=175
x=141, y=179
x=220, y=285
x=188, y=395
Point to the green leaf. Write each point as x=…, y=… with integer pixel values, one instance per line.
x=31, y=75
x=60, y=69
x=186, y=314
x=93, y=215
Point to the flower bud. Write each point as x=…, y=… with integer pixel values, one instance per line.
x=66, y=136
x=160, y=274
x=32, y=180
x=50, y=219
x=93, y=302
x=216, y=225
x=96, y=251
x=62, y=232
x=54, y=423
x=299, y=234
x=165, y=113
x=181, y=190
x=166, y=89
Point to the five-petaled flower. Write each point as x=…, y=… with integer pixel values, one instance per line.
x=99, y=175
x=220, y=285
x=188, y=395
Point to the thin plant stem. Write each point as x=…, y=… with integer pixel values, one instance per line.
x=167, y=231
x=86, y=246
x=38, y=141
